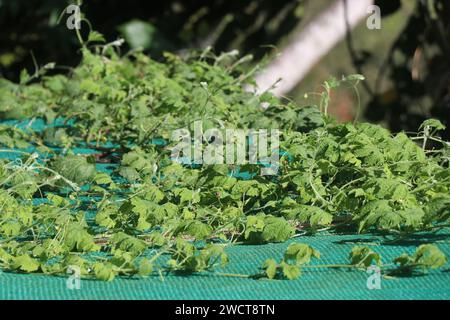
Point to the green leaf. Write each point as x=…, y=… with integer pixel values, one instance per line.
x=103, y=271
x=129, y=243
x=25, y=263
x=11, y=228
x=145, y=267
x=261, y=228
x=196, y=229
x=364, y=257
x=270, y=266
x=106, y=216
x=24, y=76
x=77, y=238
x=153, y=194
x=433, y=123
x=314, y=215
x=95, y=36
x=354, y=77
x=300, y=253
x=188, y=196
x=129, y=173
x=58, y=201
x=426, y=256
x=291, y=272
x=103, y=178
x=430, y=256
x=276, y=230
x=74, y=168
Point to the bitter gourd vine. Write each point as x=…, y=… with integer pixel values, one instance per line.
x=87, y=178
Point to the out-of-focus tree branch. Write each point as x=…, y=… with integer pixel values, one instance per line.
x=308, y=46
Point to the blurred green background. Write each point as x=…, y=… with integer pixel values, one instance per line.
x=406, y=63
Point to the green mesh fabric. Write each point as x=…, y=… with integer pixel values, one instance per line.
x=313, y=284
x=246, y=259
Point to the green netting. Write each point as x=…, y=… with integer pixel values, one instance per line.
x=246, y=259
x=313, y=284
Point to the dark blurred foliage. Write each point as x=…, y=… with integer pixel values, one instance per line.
x=418, y=66
x=32, y=25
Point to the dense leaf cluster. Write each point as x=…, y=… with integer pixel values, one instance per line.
x=126, y=208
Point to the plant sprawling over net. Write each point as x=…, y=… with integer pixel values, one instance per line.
x=87, y=178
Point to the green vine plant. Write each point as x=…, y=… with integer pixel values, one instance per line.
x=86, y=177
x=298, y=255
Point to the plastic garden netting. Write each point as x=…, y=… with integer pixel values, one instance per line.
x=313, y=284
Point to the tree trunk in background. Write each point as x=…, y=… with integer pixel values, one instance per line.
x=308, y=46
